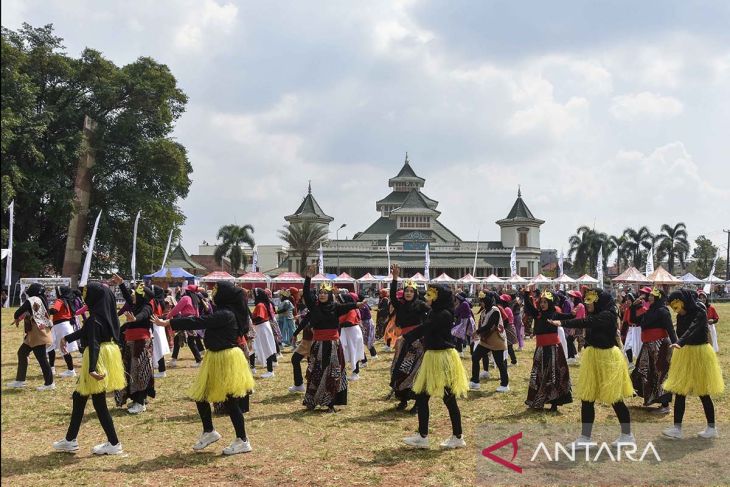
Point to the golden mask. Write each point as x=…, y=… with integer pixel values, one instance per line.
x=214, y=291
x=677, y=305
x=656, y=292
x=482, y=295
x=326, y=286
x=432, y=294
x=591, y=297
x=547, y=295
x=140, y=289
x=410, y=284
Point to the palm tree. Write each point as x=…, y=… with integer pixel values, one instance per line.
x=618, y=244
x=303, y=239
x=636, y=242
x=580, y=247
x=673, y=241
x=233, y=237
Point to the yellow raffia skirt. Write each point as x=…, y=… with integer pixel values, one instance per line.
x=694, y=371
x=603, y=376
x=441, y=369
x=223, y=373
x=110, y=364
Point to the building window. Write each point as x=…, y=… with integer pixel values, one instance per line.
x=522, y=239
x=414, y=222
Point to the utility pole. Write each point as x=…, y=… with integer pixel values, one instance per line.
x=727, y=256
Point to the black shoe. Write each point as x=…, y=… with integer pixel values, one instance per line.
x=413, y=410
x=401, y=406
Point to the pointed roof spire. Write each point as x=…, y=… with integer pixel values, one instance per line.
x=309, y=190
x=520, y=212
x=519, y=191
x=309, y=210
x=406, y=162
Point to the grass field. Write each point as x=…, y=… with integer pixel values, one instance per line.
x=361, y=445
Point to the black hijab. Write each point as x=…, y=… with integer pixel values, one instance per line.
x=231, y=298
x=444, y=298
x=690, y=300
x=66, y=294
x=37, y=290
x=605, y=302
x=142, y=300
x=102, y=305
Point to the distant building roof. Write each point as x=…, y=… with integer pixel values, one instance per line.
x=415, y=201
x=520, y=213
x=406, y=174
x=398, y=197
x=309, y=210
x=180, y=258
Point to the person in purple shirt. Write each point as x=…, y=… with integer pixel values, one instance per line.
x=368, y=330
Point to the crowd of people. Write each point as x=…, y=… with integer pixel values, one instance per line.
x=625, y=349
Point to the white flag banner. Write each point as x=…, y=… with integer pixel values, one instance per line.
x=387, y=249
x=513, y=262
x=650, y=261
x=427, y=265
x=134, y=247
x=474, y=267
x=560, y=263
x=321, y=260
x=89, y=252
x=9, y=261
x=167, y=250
x=255, y=259
x=708, y=286
x=599, y=268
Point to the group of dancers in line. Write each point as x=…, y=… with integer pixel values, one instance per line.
x=427, y=333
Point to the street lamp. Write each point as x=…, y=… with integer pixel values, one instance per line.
x=337, y=240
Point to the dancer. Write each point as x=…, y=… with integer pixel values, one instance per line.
x=604, y=373
x=463, y=329
x=509, y=325
x=37, y=327
x=492, y=338
x=441, y=373
x=572, y=334
x=652, y=363
x=302, y=350
x=519, y=326
x=550, y=376
x=409, y=314
x=286, y=316
x=368, y=331
x=63, y=311
x=351, y=336
x=137, y=349
x=264, y=345
x=382, y=316
x=392, y=332
x=187, y=305
x=632, y=345
x=712, y=319
x=694, y=369
x=224, y=375
x=326, y=376
x=160, y=345
x=101, y=369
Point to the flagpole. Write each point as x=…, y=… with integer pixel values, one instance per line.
x=9, y=261
x=87, y=262
x=134, y=247
x=167, y=249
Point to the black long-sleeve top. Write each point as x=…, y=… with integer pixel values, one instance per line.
x=323, y=317
x=541, y=326
x=693, y=330
x=407, y=313
x=24, y=308
x=92, y=334
x=601, y=328
x=491, y=323
x=221, y=328
x=657, y=317
x=142, y=318
x=435, y=333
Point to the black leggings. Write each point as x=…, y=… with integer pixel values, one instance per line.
x=67, y=358
x=451, y=405
x=707, y=405
x=511, y=351
x=480, y=355
x=41, y=356
x=571, y=346
x=191, y=340
x=588, y=417
x=269, y=362
x=161, y=367
x=102, y=412
x=233, y=405
x=296, y=362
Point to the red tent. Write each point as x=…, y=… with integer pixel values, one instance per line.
x=287, y=280
x=251, y=280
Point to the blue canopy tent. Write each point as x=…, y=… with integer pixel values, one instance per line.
x=171, y=275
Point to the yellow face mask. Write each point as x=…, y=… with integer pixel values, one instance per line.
x=214, y=291
x=547, y=295
x=656, y=293
x=327, y=286
x=140, y=289
x=411, y=285
x=432, y=294
x=591, y=297
x=482, y=295
x=83, y=293
x=677, y=305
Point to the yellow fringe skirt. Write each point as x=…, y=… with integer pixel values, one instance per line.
x=603, y=376
x=694, y=371
x=109, y=363
x=441, y=369
x=223, y=373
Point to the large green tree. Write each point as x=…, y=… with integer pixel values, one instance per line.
x=45, y=95
x=673, y=244
x=232, y=238
x=703, y=255
x=637, y=243
x=303, y=240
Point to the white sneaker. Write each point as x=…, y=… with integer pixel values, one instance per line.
x=503, y=389
x=173, y=363
x=136, y=408
x=53, y=371
x=49, y=387
x=474, y=386
x=363, y=365
x=386, y=348
x=300, y=388
x=461, y=354
x=673, y=433
x=16, y=384
x=160, y=375
x=416, y=440
x=65, y=445
x=582, y=442
x=197, y=364
x=238, y=446
x=453, y=442
x=572, y=361
x=709, y=433
x=624, y=440
x=275, y=364
x=267, y=375
x=279, y=355
x=206, y=439
x=354, y=377
x=107, y=449
x=68, y=373
x=484, y=374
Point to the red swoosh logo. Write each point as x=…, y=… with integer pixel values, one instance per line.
x=487, y=452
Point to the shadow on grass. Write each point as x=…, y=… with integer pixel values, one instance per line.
x=184, y=418
x=397, y=455
x=173, y=460
x=383, y=414
x=37, y=463
x=283, y=398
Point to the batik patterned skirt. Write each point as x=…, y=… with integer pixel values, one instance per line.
x=368, y=333
x=549, y=379
x=326, y=377
x=511, y=332
x=652, y=367
x=404, y=369
x=137, y=358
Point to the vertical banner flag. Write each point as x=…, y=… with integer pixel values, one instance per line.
x=167, y=249
x=89, y=252
x=387, y=249
x=599, y=268
x=427, y=265
x=134, y=247
x=321, y=260
x=9, y=261
x=255, y=259
x=513, y=262
x=708, y=286
x=650, y=261
x=474, y=267
x=560, y=263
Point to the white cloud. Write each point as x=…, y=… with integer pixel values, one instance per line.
x=204, y=20
x=645, y=105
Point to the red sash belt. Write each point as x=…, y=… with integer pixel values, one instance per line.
x=653, y=334
x=241, y=341
x=405, y=330
x=134, y=334
x=545, y=339
x=326, y=335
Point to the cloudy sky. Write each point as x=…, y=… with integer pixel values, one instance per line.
x=615, y=114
